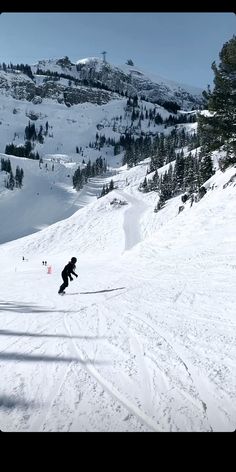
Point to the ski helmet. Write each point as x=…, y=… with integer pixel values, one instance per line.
x=73, y=259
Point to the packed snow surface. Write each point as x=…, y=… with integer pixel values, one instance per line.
x=144, y=339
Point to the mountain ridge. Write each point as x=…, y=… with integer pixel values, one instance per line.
x=93, y=72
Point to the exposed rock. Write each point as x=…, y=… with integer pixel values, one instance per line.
x=92, y=80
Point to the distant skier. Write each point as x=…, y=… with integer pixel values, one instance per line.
x=66, y=274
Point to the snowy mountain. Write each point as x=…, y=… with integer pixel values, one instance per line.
x=68, y=140
x=136, y=81
x=93, y=80
x=144, y=338
x=68, y=129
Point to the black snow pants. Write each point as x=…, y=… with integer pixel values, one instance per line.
x=65, y=282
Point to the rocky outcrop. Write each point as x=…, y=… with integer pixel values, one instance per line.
x=134, y=82
x=23, y=88
x=92, y=80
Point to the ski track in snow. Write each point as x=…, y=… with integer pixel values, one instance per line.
x=180, y=357
x=158, y=355
x=132, y=408
x=131, y=220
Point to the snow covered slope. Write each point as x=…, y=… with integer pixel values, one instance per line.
x=68, y=129
x=135, y=80
x=93, y=80
x=144, y=339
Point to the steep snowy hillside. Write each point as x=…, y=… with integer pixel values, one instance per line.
x=64, y=88
x=46, y=197
x=79, y=124
x=156, y=87
x=144, y=339
x=134, y=80
x=95, y=81
x=64, y=131
x=79, y=113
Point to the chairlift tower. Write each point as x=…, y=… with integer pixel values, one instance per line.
x=104, y=56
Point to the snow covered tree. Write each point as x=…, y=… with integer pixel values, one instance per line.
x=40, y=135
x=155, y=181
x=11, y=181
x=143, y=185
x=30, y=132
x=220, y=128
x=6, y=165
x=19, y=177
x=179, y=171
x=205, y=168
x=103, y=192
x=111, y=185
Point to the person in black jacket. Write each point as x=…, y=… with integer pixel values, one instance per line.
x=66, y=274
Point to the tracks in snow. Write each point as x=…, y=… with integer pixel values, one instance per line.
x=110, y=389
x=189, y=368
x=131, y=220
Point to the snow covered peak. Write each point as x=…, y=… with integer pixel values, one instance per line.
x=138, y=72
x=88, y=60
x=135, y=81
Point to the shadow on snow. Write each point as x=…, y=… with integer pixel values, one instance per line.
x=101, y=291
x=6, y=332
x=18, y=357
x=8, y=403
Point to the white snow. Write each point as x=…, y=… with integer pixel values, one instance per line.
x=49, y=193
x=144, y=339
x=155, y=78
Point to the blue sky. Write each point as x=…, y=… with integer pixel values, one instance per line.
x=178, y=46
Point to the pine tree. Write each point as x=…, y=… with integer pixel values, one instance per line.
x=28, y=148
x=40, y=135
x=179, y=170
x=161, y=201
x=220, y=128
x=155, y=182
x=18, y=177
x=103, y=192
x=188, y=172
x=111, y=185
x=205, y=168
x=6, y=165
x=77, y=179
x=11, y=182
x=143, y=185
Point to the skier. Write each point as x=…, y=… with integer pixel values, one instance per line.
x=66, y=273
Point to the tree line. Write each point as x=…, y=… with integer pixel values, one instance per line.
x=218, y=129
x=26, y=150
x=12, y=181
x=107, y=188
x=81, y=176
x=24, y=68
